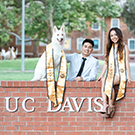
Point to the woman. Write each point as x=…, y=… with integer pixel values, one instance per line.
x=117, y=65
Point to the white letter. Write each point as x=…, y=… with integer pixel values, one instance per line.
x=49, y=109
x=69, y=105
x=95, y=101
x=89, y=105
x=24, y=104
x=7, y=104
x=76, y=106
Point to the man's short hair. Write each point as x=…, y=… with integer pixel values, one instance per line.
x=89, y=41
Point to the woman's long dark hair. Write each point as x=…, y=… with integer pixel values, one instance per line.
x=110, y=43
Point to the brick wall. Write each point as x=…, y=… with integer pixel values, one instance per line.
x=83, y=122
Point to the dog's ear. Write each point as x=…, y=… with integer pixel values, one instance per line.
x=55, y=29
x=62, y=28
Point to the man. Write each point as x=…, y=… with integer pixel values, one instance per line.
x=83, y=67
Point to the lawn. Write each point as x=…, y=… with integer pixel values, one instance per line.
x=11, y=69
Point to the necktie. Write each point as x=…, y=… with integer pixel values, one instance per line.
x=82, y=66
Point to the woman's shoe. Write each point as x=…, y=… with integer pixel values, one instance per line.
x=111, y=111
x=104, y=115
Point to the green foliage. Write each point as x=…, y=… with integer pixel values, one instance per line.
x=128, y=14
x=42, y=15
x=9, y=19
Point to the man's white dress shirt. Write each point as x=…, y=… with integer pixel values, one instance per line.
x=90, y=69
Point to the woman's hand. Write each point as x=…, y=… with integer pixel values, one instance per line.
x=130, y=80
x=99, y=79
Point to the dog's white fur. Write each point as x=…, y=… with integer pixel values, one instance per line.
x=58, y=41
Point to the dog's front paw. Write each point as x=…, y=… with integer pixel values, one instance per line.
x=43, y=79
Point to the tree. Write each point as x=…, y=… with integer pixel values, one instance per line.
x=42, y=15
x=128, y=14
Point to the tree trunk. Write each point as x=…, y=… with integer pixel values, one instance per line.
x=49, y=31
x=35, y=49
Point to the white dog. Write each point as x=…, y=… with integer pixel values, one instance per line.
x=6, y=55
x=58, y=41
x=10, y=54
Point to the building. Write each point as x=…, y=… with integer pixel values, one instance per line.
x=74, y=41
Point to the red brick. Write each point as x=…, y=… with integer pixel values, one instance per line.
x=83, y=90
x=47, y=123
x=33, y=95
x=40, y=128
x=97, y=128
x=18, y=95
x=3, y=83
x=95, y=90
x=61, y=123
x=125, y=128
x=119, y=133
x=16, y=83
x=90, y=123
x=76, y=133
x=86, y=84
x=131, y=133
x=5, y=133
x=70, y=90
x=104, y=123
x=10, y=119
x=129, y=90
x=10, y=83
x=92, y=84
x=29, y=84
x=1, y=89
x=61, y=133
x=47, y=133
x=11, y=128
x=104, y=133
x=67, y=84
x=5, y=123
x=76, y=94
x=33, y=123
x=73, y=83
x=80, y=84
x=11, y=89
x=42, y=84
x=25, y=128
x=126, y=119
x=40, y=118
x=54, y=128
x=40, y=90
x=1, y=128
x=25, y=89
x=18, y=123
x=68, y=118
x=23, y=84
x=111, y=128
x=68, y=128
x=33, y=133
x=98, y=84
x=90, y=133
x=35, y=83
x=18, y=133
x=130, y=85
x=83, y=128
x=25, y=118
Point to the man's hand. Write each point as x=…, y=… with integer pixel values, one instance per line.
x=78, y=79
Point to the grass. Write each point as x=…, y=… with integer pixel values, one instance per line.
x=11, y=69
